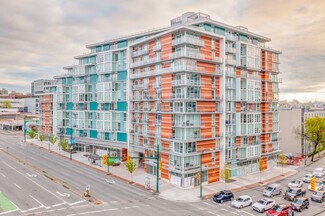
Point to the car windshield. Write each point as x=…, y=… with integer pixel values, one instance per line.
x=319, y=193
x=269, y=188
x=239, y=199
x=295, y=182
x=262, y=202
x=292, y=191
x=220, y=194
x=297, y=201
x=308, y=176
x=277, y=208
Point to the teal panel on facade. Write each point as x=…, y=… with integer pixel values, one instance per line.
x=69, y=131
x=106, y=136
x=105, y=47
x=85, y=60
x=93, y=105
x=220, y=31
x=93, y=78
x=122, y=44
x=255, y=41
x=81, y=132
x=121, y=137
x=69, y=80
x=121, y=75
x=92, y=59
x=121, y=106
x=69, y=105
x=207, y=27
x=243, y=38
x=93, y=134
x=106, y=106
x=63, y=81
x=98, y=48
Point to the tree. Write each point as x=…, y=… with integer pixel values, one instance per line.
x=131, y=167
x=314, y=133
x=282, y=160
x=261, y=168
x=64, y=144
x=53, y=139
x=109, y=161
x=6, y=104
x=41, y=137
x=32, y=134
x=225, y=174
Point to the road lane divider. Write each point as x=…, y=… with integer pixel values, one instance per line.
x=63, y=194
x=17, y=186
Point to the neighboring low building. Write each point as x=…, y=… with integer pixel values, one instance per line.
x=39, y=86
x=29, y=105
x=13, y=120
x=3, y=91
x=291, y=122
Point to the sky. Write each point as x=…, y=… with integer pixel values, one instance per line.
x=39, y=37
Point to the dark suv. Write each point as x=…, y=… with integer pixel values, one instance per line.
x=300, y=204
x=223, y=196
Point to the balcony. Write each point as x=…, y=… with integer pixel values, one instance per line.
x=156, y=85
x=231, y=37
x=145, y=62
x=275, y=79
x=230, y=86
x=249, y=76
x=187, y=124
x=143, y=51
x=157, y=47
x=230, y=49
x=184, y=96
x=188, y=40
x=217, y=59
x=185, y=53
x=231, y=62
x=140, y=86
x=186, y=82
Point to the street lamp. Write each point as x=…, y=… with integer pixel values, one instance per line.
x=24, y=128
x=201, y=174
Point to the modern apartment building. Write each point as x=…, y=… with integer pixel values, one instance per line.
x=203, y=91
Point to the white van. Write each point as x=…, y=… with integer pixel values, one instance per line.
x=272, y=190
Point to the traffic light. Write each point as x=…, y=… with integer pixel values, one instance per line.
x=160, y=165
x=128, y=158
x=104, y=159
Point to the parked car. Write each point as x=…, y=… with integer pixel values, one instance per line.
x=293, y=193
x=279, y=210
x=318, y=196
x=318, y=187
x=307, y=178
x=263, y=205
x=272, y=190
x=117, y=163
x=319, y=172
x=242, y=201
x=223, y=196
x=300, y=204
x=295, y=184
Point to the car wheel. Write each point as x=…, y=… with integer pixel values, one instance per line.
x=250, y=204
x=231, y=198
x=241, y=207
x=221, y=201
x=263, y=210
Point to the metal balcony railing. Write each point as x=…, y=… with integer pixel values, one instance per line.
x=230, y=49
x=143, y=51
x=186, y=82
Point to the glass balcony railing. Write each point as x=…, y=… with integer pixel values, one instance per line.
x=186, y=82
x=188, y=40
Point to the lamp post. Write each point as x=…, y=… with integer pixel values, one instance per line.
x=24, y=128
x=157, y=177
x=201, y=174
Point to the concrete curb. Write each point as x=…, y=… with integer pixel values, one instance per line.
x=98, y=170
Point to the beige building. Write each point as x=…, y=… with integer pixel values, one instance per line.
x=291, y=121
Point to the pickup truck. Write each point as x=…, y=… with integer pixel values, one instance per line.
x=293, y=193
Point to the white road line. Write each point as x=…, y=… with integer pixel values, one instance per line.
x=80, y=206
x=37, y=201
x=17, y=186
x=3, y=213
x=93, y=212
x=75, y=203
x=35, y=182
x=247, y=212
x=213, y=213
x=56, y=205
x=3, y=175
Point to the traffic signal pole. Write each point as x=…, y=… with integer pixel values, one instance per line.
x=157, y=158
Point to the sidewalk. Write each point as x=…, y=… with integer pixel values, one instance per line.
x=174, y=193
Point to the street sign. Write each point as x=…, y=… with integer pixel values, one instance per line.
x=71, y=141
x=312, y=183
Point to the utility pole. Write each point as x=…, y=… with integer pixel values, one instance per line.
x=157, y=158
x=24, y=128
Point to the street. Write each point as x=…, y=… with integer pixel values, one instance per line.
x=34, y=181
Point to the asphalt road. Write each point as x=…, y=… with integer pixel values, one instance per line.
x=34, y=194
